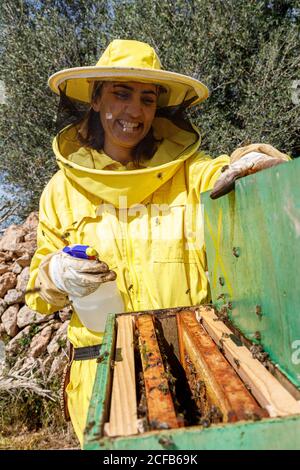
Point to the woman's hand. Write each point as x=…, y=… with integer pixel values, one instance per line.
x=250, y=163
x=78, y=277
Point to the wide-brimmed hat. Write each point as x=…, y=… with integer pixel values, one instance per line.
x=125, y=60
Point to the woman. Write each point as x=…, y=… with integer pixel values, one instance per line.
x=130, y=182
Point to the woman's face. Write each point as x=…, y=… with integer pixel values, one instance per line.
x=127, y=111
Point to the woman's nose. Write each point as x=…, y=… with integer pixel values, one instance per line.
x=134, y=109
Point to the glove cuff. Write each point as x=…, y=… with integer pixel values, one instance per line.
x=55, y=273
x=48, y=290
x=259, y=148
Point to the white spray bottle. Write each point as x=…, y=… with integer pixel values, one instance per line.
x=93, y=309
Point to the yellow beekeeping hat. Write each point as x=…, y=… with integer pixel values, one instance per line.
x=125, y=60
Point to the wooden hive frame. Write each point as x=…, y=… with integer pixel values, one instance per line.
x=111, y=426
x=225, y=389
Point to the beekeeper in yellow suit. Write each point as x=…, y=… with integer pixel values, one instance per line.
x=129, y=184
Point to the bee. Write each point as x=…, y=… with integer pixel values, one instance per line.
x=253, y=416
x=257, y=335
x=223, y=313
x=89, y=426
x=237, y=362
x=236, y=251
x=224, y=168
x=225, y=335
x=102, y=357
x=205, y=422
x=258, y=311
x=155, y=424
x=65, y=235
x=221, y=296
x=142, y=408
x=221, y=346
x=166, y=442
x=163, y=388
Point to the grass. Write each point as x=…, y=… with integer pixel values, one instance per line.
x=30, y=413
x=43, y=439
x=34, y=423
x=31, y=421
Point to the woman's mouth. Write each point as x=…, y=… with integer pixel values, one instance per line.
x=129, y=126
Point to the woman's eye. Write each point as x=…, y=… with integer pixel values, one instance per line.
x=148, y=101
x=126, y=96
x=123, y=96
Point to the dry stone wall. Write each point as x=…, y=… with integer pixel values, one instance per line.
x=30, y=338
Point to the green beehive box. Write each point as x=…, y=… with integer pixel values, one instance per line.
x=253, y=249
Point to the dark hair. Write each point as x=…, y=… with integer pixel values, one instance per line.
x=91, y=133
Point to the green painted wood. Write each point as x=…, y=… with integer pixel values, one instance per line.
x=101, y=390
x=266, y=434
x=252, y=241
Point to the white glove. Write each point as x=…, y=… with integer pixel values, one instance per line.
x=78, y=277
x=252, y=162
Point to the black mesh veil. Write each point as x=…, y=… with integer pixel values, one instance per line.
x=71, y=111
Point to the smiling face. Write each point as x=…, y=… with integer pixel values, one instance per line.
x=126, y=111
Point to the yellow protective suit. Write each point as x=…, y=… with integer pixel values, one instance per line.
x=146, y=224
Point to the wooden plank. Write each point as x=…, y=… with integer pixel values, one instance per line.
x=161, y=413
x=200, y=396
x=269, y=393
x=180, y=341
x=224, y=388
x=98, y=409
x=123, y=408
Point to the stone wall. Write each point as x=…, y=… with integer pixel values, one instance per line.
x=30, y=338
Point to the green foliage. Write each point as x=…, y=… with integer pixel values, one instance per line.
x=38, y=39
x=62, y=342
x=248, y=53
x=5, y=338
x=24, y=341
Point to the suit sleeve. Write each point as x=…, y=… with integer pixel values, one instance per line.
x=204, y=171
